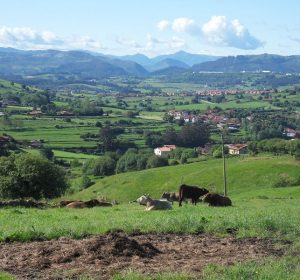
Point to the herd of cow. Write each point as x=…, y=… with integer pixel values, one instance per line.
x=185, y=193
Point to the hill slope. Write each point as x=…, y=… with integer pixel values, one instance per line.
x=17, y=62
x=247, y=178
x=263, y=62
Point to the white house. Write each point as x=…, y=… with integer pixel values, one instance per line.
x=237, y=149
x=164, y=150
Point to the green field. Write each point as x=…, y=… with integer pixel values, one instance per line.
x=248, y=178
x=259, y=210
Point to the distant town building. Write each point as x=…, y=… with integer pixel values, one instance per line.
x=164, y=150
x=291, y=133
x=237, y=149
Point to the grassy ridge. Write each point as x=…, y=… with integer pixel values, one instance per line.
x=249, y=177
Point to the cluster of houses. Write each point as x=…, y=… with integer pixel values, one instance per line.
x=207, y=117
x=234, y=92
x=233, y=149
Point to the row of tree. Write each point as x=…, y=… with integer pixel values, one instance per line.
x=189, y=136
x=275, y=146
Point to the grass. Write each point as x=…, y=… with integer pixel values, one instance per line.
x=269, y=269
x=271, y=218
x=6, y=276
x=248, y=177
x=70, y=155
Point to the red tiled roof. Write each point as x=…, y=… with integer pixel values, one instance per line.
x=237, y=146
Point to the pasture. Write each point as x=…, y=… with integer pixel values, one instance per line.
x=248, y=177
x=264, y=221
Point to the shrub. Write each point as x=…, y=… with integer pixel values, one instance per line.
x=75, y=163
x=173, y=162
x=285, y=180
x=155, y=161
x=88, y=167
x=104, y=166
x=297, y=155
x=85, y=182
x=28, y=175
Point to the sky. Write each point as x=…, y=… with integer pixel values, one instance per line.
x=153, y=27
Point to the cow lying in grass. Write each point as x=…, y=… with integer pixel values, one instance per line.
x=64, y=203
x=154, y=204
x=88, y=204
x=214, y=199
x=191, y=192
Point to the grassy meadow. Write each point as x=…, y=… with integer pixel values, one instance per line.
x=259, y=208
x=247, y=178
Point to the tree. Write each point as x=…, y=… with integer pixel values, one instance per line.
x=107, y=137
x=155, y=161
x=168, y=118
x=193, y=135
x=170, y=136
x=104, y=166
x=28, y=175
x=47, y=153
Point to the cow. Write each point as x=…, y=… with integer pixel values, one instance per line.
x=157, y=204
x=191, y=192
x=170, y=196
x=87, y=204
x=142, y=200
x=214, y=199
x=64, y=203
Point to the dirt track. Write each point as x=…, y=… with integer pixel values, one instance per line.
x=104, y=255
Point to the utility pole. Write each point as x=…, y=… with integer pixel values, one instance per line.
x=224, y=166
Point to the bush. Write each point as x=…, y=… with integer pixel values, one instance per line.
x=297, y=155
x=28, y=175
x=75, y=163
x=285, y=180
x=88, y=167
x=104, y=166
x=85, y=182
x=155, y=161
x=173, y=162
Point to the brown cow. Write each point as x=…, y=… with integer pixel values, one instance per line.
x=64, y=203
x=88, y=204
x=214, y=199
x=191, y=192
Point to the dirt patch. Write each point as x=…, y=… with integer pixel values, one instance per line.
x=104, y=255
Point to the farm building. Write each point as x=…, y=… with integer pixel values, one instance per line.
x=237, y=149
x=291, y=133
x=164, y=150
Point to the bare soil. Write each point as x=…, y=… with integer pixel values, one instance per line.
x=105, y=255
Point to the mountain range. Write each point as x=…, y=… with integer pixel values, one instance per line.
x=252, y=63
x=85, y=65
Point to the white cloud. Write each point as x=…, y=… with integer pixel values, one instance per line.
x=27, y=38
x=180, y=25
x=219, y=30
x=163, y=25
x=183, y=24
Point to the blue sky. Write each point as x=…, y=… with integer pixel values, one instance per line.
x=152, y=27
